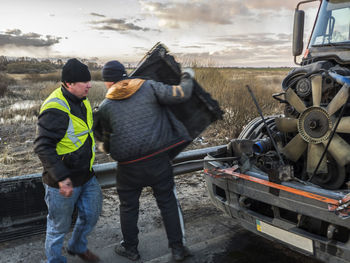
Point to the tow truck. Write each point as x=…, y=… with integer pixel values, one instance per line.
x=286, y=176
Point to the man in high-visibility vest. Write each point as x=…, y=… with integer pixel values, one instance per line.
x=66, y=147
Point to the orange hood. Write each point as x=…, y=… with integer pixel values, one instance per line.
x=124, y=89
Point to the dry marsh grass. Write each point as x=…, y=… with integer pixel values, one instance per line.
x=6, y=158
x=96, y=75
x=53, y=76
x=20, y=108
x=228, y=87
x=5, y=81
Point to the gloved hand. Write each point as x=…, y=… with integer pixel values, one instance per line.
x=188, y=71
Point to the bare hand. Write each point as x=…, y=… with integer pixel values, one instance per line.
x=66, y=187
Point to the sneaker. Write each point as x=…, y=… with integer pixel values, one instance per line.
x=180, y=252
x=131, y=253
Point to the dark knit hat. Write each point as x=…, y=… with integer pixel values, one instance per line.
x=75, y=71
x=113, y=71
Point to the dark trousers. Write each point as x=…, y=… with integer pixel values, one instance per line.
x=158, y=174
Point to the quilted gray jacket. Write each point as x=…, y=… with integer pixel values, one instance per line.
x=134, y=121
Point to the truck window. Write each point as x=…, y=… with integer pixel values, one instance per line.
x=333, y=23
x=341, y=25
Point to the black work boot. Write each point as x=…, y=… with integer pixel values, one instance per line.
x=180, y=252
x=131, y=252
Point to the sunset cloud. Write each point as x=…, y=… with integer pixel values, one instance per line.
x=15, y=37
x=98, y=15
x=239, y=56
x=119, y=25
x=214, y=12
x=271, y=4
x=258, y=39
x=241, y=50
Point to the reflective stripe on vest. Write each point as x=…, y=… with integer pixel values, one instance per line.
x=77, y=130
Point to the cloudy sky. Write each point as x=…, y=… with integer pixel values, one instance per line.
x=207, y=32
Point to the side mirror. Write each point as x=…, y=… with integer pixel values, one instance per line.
x=298, y=32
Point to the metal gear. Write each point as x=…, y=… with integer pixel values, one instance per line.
x=314, y=125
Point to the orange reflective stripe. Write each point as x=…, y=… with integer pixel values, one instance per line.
x=231, y=171
x=178, y=89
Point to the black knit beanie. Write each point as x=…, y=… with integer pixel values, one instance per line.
x=113, y=71
x=75, y=71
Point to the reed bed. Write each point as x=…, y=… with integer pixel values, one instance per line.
x=228, y=87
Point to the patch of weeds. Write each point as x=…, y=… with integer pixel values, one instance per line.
x=5, y=81
x=6, y=158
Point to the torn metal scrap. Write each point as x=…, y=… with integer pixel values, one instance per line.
x=200, y=110
x=219, y=173
x=341, y=209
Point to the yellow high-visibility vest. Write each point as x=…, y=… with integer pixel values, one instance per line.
x=78, y=130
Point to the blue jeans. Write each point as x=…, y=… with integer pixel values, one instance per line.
x=88, y=201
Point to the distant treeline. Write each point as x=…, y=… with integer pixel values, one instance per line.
x=25, y=65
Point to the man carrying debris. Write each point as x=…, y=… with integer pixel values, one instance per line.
x=66, y=147
x=138, y=130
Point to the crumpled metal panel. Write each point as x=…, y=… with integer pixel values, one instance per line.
x=199, y=111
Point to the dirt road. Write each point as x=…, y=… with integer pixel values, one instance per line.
x=211, y=236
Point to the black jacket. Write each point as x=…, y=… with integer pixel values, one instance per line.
x=52, y=126
x=137, y=120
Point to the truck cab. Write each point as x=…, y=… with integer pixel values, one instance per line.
x=330, y=37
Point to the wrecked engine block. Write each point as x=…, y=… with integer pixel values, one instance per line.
x=313, y=133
